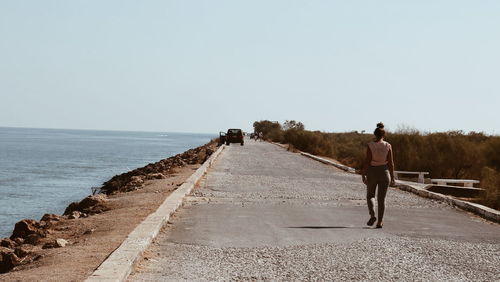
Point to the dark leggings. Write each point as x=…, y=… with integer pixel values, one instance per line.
x=377, y=176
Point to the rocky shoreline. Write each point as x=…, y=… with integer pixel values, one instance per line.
x=31, y=238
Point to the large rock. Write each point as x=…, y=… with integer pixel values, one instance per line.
x=90, y=205
x=92, y=201
x=27, y=227
x=71, y=208
x=156, y=176
x=7, y=243
x=4, y=250
x=202, y=156
x=50, y=220
x=75, y=215
x=19, y=241
x=8, y=259
x=180, y=162
x=58, y=243
x=48, y=217
x=25, y=250
x=136, y=181
x=32, y=239
x=61, y=243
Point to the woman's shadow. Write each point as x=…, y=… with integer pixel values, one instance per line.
x=328, y=227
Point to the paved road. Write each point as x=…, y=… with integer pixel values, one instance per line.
x=266, y=214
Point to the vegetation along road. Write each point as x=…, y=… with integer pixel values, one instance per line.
x=267, y=214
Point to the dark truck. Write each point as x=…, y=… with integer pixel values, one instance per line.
x=234, y=135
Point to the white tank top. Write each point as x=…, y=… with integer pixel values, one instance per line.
x=379, y=150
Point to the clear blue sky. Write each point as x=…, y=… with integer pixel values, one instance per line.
x=202, y=66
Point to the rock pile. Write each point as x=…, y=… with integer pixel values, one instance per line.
x=135, y=179
x=23, y=245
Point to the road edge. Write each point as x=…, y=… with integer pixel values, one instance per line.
x=325, y=161
x=483, y=211
x=319, y=159
x=420, y=190
x=119, y=265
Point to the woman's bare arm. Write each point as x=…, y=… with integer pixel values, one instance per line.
x=390, y=164
x=368, y=160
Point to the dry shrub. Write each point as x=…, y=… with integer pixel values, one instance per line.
x=291, y=148
x=275, y=135
x=490, y=181
x=313, y=142
x=491, y=152
x=350, y=148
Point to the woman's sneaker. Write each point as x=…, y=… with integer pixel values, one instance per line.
x=371, y=221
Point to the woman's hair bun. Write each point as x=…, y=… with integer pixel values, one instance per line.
x=380, y=125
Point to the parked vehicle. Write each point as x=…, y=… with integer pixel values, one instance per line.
x=234, y=135
x=222, y=138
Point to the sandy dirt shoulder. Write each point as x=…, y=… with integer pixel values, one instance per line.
x=92, y=239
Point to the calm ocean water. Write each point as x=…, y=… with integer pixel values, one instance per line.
x=43, y=170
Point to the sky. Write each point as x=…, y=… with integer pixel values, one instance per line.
x=205, y=66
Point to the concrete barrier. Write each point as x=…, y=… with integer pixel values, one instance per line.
x=483, y=211
x=326, y=161
x=320, y=159
x=119, y=265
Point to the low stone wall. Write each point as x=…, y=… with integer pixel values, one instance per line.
x=419, y=189
x=325, y=161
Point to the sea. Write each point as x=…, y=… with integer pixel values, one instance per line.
x=44, y=170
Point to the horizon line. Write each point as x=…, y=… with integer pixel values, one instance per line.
x=113, y=130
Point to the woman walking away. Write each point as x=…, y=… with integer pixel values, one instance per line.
x=378, y=170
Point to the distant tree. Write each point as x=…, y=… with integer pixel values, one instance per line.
x=292, y=124
x=266, y=127
x=406, y=129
